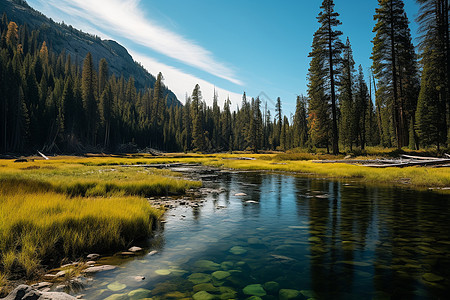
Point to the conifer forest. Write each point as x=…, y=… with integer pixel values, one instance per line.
x=51, y=103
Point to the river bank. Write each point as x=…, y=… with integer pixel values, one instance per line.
x=57, y=211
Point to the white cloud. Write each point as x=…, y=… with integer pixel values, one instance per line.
x=125, y=18
x=181, y=83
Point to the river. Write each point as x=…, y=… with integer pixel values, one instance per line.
x=292, y=237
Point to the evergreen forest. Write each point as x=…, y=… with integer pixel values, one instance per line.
x=50, y=103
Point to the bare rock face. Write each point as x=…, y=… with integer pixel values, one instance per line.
x=25, y=292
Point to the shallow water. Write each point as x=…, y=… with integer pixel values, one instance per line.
x=322, y=239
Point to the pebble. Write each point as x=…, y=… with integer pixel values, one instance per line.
x=93, y=256
x=135, y=249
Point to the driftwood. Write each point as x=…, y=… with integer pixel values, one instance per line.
x=437, y=162
x=405, y=161
x=45, y=157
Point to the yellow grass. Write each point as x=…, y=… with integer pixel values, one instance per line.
x=66, y=207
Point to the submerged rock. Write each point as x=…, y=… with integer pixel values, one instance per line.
x=271, y=287
x=117, y=297
x=116, y=286
x=139, y=294
x=220, y=275
x=206, y=265
x=286, y=294
x=238, y=250
x=197, y=278
x=207, y=287
x=254, y=290
x=25, y=292
x=163, y=272
x=203, y=296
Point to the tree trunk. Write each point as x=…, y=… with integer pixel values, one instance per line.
x=333, y=94
x=397, y=113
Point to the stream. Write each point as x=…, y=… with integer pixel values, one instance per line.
x=280, y=236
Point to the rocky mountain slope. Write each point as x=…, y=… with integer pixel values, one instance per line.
x=61, y=37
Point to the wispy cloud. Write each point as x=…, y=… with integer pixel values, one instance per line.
x=125, y=18
x=181, y=83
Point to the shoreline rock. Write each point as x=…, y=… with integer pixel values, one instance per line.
x=27, y=292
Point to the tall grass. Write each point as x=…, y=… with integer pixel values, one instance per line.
x=44, y=226
x=62, y=209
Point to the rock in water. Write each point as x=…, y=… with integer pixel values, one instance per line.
x=135, y=249
x=240, y=194
x=220, y=275
x=139, y=294
x=271, y=287
x=254, y=290
x=197, y=278
x=23, y=292
x=203, y=296
x=206, y=265
x=116, y=286
x=286, y=294
x=117, y=297
x=238, y=250
x=92, y=270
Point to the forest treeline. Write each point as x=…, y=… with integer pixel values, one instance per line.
x=49, y=103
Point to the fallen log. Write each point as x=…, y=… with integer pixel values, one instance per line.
x=420, y=157
x=412, y=163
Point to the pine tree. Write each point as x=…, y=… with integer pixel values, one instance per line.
x=348, y=121
x=361, y=106
x=300, y=125
x=198, y=143
x=88, y=88
x=395, y=68
x=279, y=121
x=433, y=111
x=328, y=39
x=319, y=116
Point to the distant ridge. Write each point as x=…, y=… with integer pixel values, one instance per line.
x=61, y=37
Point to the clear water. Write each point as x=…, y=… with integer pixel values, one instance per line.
x=323, y=239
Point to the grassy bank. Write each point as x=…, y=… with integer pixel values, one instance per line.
x=64, y=208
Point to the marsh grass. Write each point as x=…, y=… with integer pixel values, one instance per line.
x=61, y=209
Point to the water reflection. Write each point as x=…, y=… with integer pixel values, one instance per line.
x=312, y=238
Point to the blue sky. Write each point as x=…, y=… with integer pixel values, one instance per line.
x=256, y=46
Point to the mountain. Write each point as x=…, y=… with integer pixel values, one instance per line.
x=61, y=37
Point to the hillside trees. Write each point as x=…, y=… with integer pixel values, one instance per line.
x=394, y=66
x=433, y=108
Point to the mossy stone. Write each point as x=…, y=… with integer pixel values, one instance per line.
x=227, y=265
x=286, y=294
x=163, y=272
x=117, y=297
x=207, y=287
x=238, y=250
x=202, y=295
x=271, y=287
x=197, y=278
x=254, y=290
x=206, y=265
x=308, y=293
x=139, y=294
x=221, y=275
x=116, y=286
